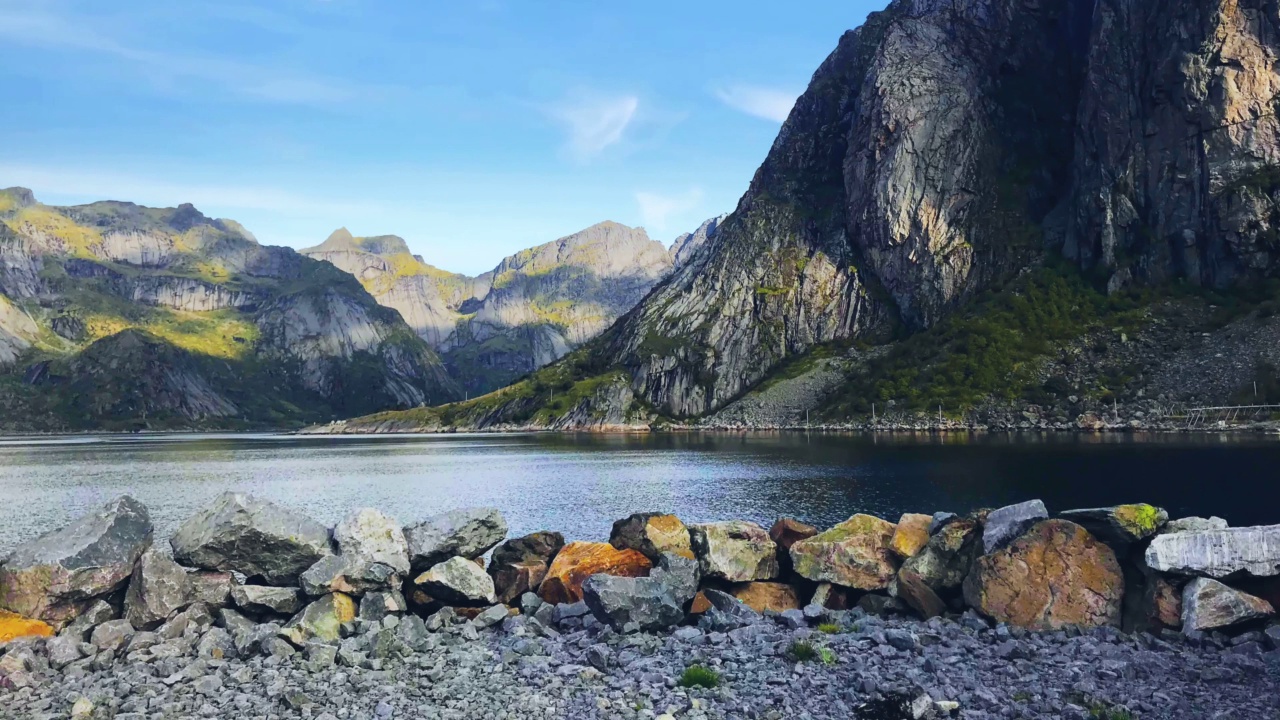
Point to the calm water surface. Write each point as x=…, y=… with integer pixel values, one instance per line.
x=580, y=484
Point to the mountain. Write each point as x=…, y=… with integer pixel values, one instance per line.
x=114, y=315
x=995, y=177
x=684, y=246
x=534, y=307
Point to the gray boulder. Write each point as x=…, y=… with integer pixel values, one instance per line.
x=60, y=574
x=212, y=588
x=262, y=598
x=727, y=612
x=1192, y=524
x=735, y=550
x=458, y=581
x=491, y=616
x=353, y=575
x=1003, y=526
x=519, y=565
x=216, y=644
x=469, y=533
x=1120, y=525
x=239, y=533
x=1210, y=605
x=639, y=603
x=321, y=621
x=111, y=635
x=1221, y=554
x=63, y=650
x=372, y=536
x=377, y=605
x=679, y=574
x=93, y=616
x=159, y=588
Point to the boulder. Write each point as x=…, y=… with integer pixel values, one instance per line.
x=1209, y=605
x=652, y=534
x=159, y=588
x=726, y=612
x=262, y=598
x=377, y=605
x=768, y=596
x=785, y=533
x=940, y=520
x=1006, y=524
x=458, y=581
x=1220, y=554
x=14, y=626
x=831, y=597
x=1122, y=524
x=239, y=533
x=642, y=603
x=680, y=574
x=1055, y=574
x=93, y=616
x=111, y=635
x=353, y=575
x=735, y=551
x=321, y=621
x=519, y=566
x=911, y=534
x=853, y=554
x=1191, y=524
x=944, y=562
x=56, y=576
x=469, y=533
x=580, y=560
x=371, y=536
x=1162, y=603
x=212, y=588
x=912, y=590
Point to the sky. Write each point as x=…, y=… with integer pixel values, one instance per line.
x=472, y=129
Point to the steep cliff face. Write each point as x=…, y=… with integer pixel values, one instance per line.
x=16, y=331
x=685, y=245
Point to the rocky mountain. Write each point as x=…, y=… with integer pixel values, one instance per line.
x=927, y=167
x=684, y=246
x=114, y=315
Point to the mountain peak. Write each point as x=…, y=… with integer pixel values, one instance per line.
x=19, y=196
x=341, y=236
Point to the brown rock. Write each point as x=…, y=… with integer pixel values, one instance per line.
x=918, y=596
x=762, y=596
x=944, y=562
x=1056, y=574
x=911, y=535
x=785, y=533
x=512, y=580
x=519, y=566
x=580, y=560
x=1163, y=602
x=652, y=534
x=700, y=604
x=854, y=554
x=831, y=597
x=1210, y=605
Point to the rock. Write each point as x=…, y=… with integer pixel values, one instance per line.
x=377, y=605
x=371, y=536
x=911, y=535
x=940, y=520
x=1192, y=524
x=233, y=621
x=320, y=621
x=352, y=575
x=1006, y=524
x=216, y=644
x=1055, y=574
x=768, y=596
x=490, y=616
x=652, y=534
x=854, y=554
x=111, y=635
x=519, y=566
x=159, y=588
x=239, y=533
x=700, y=604
x=1209, y=605
x=14, y=626
x=727, y=610
x=197, y=616
x=580, y=560
x=944, y=562
x=1121, y=524
x=1162, y=603
x=458, y=581
x=785, y=533
x=679, y=574
x=1219, y=554
x=735, y=551
x=830, y=597
x=212, y=588
x=82, y=709
x=63, y=651
x=96, y=614
x=641, y=603
x=262, y=598
x=56, y=576
x=911, y=589
x=468, y=533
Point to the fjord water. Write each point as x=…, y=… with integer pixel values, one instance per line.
x=579, y=484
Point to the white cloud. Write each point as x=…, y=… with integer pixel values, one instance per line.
x=657, y=210
x=594, y=123
x=768, y=103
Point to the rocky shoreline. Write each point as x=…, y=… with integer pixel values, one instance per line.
x=256, y=611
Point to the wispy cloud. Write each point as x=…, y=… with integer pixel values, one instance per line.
x=657, y=210
x=767, y=103
x=594, y=123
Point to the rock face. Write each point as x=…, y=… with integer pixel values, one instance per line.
x=1122, y=524
x=458, y=581
x=469, y=533
x=372, y=536
x=580, y=560
x=518, y=566
x=1221, y=554
x=1007, y=523
x=735, y=551
x=854, y=554
x=1055, y=574
x=1210, y=605
x=240, y=533
x=159, y=588
x=55, y=576
x=652, y=534
x=911, y=534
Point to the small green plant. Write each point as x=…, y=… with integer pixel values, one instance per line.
x=699, y=676
x=827, y=656
x=802, y=651
x=1104, y=711
x=1022, y=696
x=829, y=628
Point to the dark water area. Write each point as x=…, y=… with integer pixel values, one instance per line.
x=579, y=484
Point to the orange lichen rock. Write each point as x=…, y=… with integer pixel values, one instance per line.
x=15, y=626
x=911, y=535
x=762, y=596
x=580, y=560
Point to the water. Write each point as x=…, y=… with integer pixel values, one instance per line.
x=580, y=484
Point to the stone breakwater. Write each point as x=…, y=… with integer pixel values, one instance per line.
x=260, y=612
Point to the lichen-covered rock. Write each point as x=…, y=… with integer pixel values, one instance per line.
x=1121, y=524
x=1055, y=574
x=578, y=561
x=54, y=577
x=734, y=551
x=458, y=581
x=768, y=596
x=519, y=565
x=370, y=535
x=159, y=588
x=853, y=554
x=785, y=533
x=212, y=588
x=14, y=626
x=1005, y=524
x=263, y=598
x=320, y=621
x=911, y=589
x=944, y=562
x=240, y=533
x=469, y=533
x=652, y=534
x=1220, y=554
x=353, y=575
x=911, y=534
x=1209, y=605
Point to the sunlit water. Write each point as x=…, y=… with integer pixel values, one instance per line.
x=580, y=484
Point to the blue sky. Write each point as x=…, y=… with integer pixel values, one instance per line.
x=473, y=129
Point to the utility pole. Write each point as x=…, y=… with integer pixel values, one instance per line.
x=873, y=412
